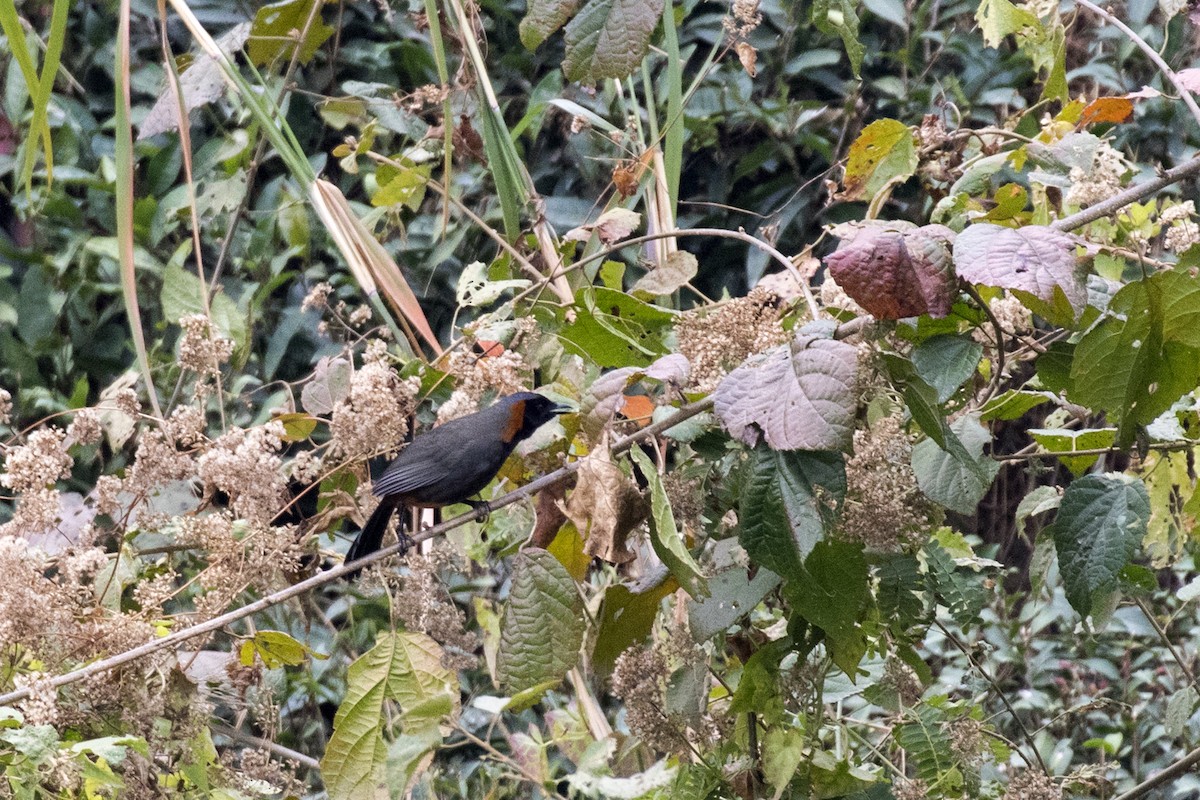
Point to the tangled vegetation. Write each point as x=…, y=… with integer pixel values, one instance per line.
x=881, y=324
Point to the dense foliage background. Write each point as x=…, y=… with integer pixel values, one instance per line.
x=882, y=324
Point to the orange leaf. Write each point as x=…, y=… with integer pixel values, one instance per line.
x=638, y=407
x=1106, y=109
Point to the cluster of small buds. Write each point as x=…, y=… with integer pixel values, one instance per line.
x=1180, y=223
x=85, y=428
x=1102, y=181
x=884, y=508
x=38, y=463
x=6, y=407
x=245, y=465
x=744, y=17
x=317, y=297
x=200, y=349
x=375, y=411
x=716, y=341
x=41, y=707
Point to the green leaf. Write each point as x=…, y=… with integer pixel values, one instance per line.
x=614, y=329
x=1054, y=366
x=181, y=296
x=956, y=480
x=831, y=595
x=961, y=590
x=1059, y=440
x=901, y=593
x=609, y=38
x=401, y=186
x=946, y=362
x=277, y=649
x=927, y=744
x=758, y=687
x=1013, y=404
x=543, y=18
x=625, y=619
x=787, y=506
x=734, y=594
x=297, y=426
x=782, y=753
x=999, y=18
x=665, y=537
x=883, y=152
x=1129, y=365
x=403, y=667
x=542, y=629
x=840, y=18
x=35, y=742
x=1100, y=522
x=273, y=34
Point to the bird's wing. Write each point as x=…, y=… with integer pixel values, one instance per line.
x=405, y=477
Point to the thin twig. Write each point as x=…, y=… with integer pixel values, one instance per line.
x=268, y=745
x=999, y=693
x=1180, y=767
x=1166, y=640
x=1093, y=451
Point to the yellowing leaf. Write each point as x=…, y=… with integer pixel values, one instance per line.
x=884, y=151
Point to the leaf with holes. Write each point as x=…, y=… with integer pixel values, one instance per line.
x=895, y=273
x=795, y=397
x=542, y=628
x=1132, y=364
x=1035, y=262
x=1100, y=522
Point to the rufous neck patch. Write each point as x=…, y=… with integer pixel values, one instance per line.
x=516, y=421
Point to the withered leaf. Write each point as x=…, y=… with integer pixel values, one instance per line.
x=605, y=506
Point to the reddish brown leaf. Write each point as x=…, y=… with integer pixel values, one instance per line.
x=895, y=273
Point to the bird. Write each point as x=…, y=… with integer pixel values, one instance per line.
x=452, y=463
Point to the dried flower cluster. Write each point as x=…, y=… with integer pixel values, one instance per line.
x=1180, y=223
x=245, y=465
x=6, y=407
x=424, y=97
x=902, y=679
x=423, y=604
x=966, y=739
x=884, y=509
x=1032, y=785
x=476, y=376
x=317, y=297
x=640, y=680
x=374, y=413
x=85, y=428
x=39, y=463
x=744, y=17
x=200, y=349
x=1100, y=182
x=717, y=340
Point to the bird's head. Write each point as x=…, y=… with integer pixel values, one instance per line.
x=528, y=411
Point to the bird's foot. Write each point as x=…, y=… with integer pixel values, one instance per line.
x=406, y=542
x=481, y=506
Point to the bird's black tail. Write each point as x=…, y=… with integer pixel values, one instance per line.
x=370, y=538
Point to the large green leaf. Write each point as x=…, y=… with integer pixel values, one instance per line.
x=543, y=18
x=403, y=667
x=614, y=329
x=609, y=38
x=945, y=362
x=840, y=17
x=1133, y=364
x=831, y=595
x=542, y=628
x=1100, y=521
x=786, y=506
x=949, y=479
x=734, y=594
